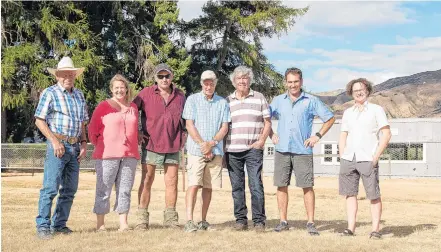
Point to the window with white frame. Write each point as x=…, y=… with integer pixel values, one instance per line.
x=330, y=149
x=396, y=151
x=270, y=151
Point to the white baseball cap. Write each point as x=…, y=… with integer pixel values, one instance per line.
x=208, y=75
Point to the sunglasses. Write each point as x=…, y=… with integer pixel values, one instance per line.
x=160, y=76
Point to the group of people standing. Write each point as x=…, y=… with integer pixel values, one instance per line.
x=230, y=130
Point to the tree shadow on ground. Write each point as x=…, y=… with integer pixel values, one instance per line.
x=115, y=228
x=335, y=226
x=403, y=231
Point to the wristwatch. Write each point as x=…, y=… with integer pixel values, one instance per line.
x=319, y=135
x=215, y=142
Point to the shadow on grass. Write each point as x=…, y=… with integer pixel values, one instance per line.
x=16, y=174
x=335, y=226
x=115, y=229
x=403, y=231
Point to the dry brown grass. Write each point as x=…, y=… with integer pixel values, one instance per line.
x=411, y=220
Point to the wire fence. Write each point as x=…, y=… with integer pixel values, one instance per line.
x=31, y=158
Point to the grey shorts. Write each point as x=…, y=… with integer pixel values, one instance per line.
x=285, y=163
x=349, y=177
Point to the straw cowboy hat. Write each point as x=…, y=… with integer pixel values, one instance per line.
x=66, y=64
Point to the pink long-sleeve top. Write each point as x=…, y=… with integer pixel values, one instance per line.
x=114, y=133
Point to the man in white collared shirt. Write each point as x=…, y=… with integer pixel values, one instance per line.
x=360, y=147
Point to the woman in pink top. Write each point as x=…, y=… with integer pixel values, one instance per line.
x=113, y=130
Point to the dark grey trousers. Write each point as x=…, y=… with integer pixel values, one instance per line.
x=236, y=162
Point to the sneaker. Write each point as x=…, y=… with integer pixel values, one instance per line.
x=63, y=230
x=259, y=227
x=171, y=218
x=102, y=229
x=44, y=234
x=347, y=232
x=142, y=218
x=204, y=225
x=190, y=227
x=125, y=229
x=310, y=227
x=240, y=226
x=282, y=226
x=375, y=235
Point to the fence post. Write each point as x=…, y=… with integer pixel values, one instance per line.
x=33, y=165
x=183, y=169
x=390, y=168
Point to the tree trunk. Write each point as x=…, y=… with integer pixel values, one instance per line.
x=3, y=125
x=223, y=50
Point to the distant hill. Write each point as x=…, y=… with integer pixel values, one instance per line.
x=417, y=95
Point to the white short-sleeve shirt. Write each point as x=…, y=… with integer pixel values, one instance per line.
x=363, y=129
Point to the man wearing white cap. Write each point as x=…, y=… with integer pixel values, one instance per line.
x=61, y=115
x=207, y=116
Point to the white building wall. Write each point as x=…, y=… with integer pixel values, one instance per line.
x=426, y=131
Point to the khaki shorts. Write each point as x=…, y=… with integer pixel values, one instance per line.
x=205, y=174
x=285, y=163
x=349, y=178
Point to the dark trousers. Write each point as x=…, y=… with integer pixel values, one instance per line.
x=236, y=162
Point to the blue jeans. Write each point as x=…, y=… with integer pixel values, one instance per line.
x=62, y=171
x=253, y=160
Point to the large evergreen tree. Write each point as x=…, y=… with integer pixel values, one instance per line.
x=104, y=37
x=229, y=34
x=34, y=36
x=130, y=37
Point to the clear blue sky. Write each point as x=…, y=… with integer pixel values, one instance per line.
x=338, y=41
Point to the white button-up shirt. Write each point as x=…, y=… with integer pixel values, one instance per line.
x=363, y=129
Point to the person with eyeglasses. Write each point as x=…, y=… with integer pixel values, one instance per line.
x=113, y=130
x=207, y=116
x=295, y=111
x=162, y=137
x=360, y=147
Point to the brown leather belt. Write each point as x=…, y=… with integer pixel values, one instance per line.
x=71, y=140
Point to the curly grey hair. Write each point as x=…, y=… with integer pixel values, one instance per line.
x=240, y=71
x=367, y=84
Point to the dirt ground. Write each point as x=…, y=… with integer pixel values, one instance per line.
x=411, y=220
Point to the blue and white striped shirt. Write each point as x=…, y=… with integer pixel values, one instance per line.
x=208, y=116
x=63, y=111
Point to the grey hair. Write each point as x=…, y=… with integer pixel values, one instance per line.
x=242, y=70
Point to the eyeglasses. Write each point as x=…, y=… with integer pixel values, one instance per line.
x=160, y=76
x=245, y=77
x=359, y=91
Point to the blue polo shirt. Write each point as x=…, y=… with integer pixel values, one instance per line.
x=295, y=120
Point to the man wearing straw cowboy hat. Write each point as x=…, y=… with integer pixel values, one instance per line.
x=60, y=115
